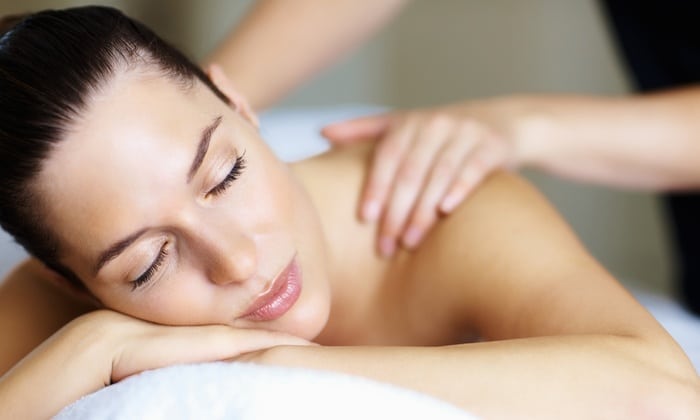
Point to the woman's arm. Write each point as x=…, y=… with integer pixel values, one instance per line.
x=57, y=347
x=103, y=347
x=573, y=377
x=568, y=341
x=280, y=44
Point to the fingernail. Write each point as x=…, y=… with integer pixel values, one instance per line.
x=449, y=203
x=387, y=246
x=412, y=237
x=370, y=211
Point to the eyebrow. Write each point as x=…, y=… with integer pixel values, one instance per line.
x=117, y=248
x=203, y=147
x=113, y=251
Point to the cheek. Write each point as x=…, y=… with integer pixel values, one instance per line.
x=182, y=298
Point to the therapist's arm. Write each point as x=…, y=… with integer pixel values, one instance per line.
x=430, y=160
x=641, y=141
x=649, y=141
x=279, y=43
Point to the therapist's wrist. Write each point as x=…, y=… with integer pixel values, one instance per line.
x=535, y=131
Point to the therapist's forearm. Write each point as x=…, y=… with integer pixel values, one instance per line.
x=639, y=141
x=280, y=43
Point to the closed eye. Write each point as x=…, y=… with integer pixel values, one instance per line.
x=238, y=167
x=152, y=270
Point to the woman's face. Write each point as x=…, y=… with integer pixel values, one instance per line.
x=171, y=209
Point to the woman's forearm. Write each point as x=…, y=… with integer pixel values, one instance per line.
x=548, y=377
x=640, y=141
x=279, y=44
x=103, y=346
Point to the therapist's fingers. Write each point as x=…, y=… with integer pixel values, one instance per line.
x=487, y=157
x=358, y=129
x=448, y=163
x=387, y=158
x=410, y=178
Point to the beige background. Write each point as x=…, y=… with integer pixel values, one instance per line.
x=446, y=50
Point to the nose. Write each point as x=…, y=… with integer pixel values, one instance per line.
x=232, y=260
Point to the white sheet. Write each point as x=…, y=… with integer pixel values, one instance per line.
x=294, y=133
x=681, y=324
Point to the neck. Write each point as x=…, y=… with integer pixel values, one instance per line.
x=333, y=182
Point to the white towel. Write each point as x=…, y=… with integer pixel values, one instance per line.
x=255, y=392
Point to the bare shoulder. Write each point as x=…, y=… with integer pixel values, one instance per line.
x=354, y=157
x=31, y=309
x=508, y=265
x=334, y=180
x=504, y=264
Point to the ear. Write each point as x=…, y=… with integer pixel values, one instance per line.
x=219, y=78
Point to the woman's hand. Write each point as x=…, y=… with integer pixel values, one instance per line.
x=138, y=345
x=428, y=161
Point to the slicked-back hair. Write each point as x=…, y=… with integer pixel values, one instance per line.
x=51, y=62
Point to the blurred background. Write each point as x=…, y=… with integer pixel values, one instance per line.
x=442, y=51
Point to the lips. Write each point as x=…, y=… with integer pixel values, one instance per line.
x=279, y=297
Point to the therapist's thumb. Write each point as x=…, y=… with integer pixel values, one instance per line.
x=358, y=129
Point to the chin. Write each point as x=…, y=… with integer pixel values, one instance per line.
x=305, y=319
x=309, y=316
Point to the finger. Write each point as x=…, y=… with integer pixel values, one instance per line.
x=386, y=159
x=443, y=173
x=365, y=128
x=411, y=178
x=478, y=165
x=159, y=346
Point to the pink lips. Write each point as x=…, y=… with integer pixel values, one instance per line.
x=279, y=297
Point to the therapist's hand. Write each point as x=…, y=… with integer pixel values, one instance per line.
x=427, y=162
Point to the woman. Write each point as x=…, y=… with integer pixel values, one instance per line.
x=145, y=186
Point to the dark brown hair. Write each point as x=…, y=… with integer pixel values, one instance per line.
x=50, y=64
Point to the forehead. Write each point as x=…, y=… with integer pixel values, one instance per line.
x=120, y=156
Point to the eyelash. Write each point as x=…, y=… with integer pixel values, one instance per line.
x=150, y=271
x=236, y=171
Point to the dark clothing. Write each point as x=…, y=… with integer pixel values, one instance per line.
x=660, y=40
